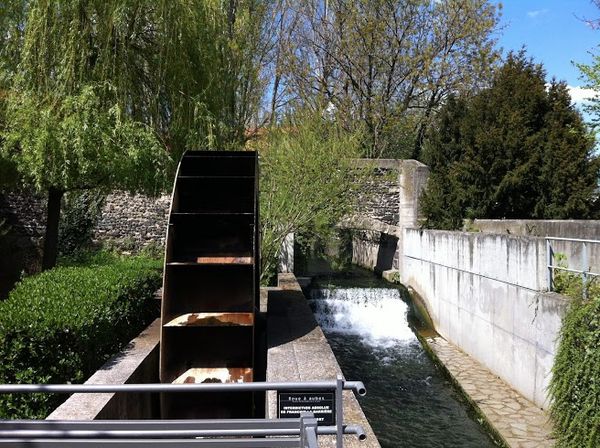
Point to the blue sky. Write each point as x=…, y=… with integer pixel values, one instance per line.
x=554, y=32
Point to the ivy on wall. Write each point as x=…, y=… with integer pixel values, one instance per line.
x=575, y=384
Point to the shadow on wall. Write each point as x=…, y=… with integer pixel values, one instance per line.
x=373, y=250
x=19, y=247
x=385, y=254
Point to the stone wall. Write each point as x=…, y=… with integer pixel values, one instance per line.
x=21, y=236
x=130, y=222
x=133, y=221
x=485, y=294
x=381, y=195
x=376, y=242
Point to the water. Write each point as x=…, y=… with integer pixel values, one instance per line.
x=409, y=402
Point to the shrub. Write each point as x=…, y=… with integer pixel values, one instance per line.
x=61, y=325
x=575, y=384
x=80, y=213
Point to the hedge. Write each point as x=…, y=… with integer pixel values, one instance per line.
x=575, y=384
x=62, y=325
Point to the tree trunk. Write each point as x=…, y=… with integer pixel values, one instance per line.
x=52, y=219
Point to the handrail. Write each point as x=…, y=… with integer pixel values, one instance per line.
x=575, y=240
x=300, y=432
x=357, y=386
x=585, y=270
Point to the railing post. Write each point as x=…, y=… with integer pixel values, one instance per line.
x=549, y=260
x=339, y=412
x=585, y=269
x=308, y=431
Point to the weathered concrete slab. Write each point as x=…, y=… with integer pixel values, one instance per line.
x=299, y=351
x=484, y=293
x=137, y=363
x=518, y=421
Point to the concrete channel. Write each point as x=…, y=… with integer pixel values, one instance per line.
x=297, y=351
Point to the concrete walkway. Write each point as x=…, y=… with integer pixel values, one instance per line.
x=517, y=420
x=299, y=351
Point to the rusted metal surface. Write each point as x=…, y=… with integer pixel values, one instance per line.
x=216, y=375
x=225, y=260
x=212, y=320
x=210, y=288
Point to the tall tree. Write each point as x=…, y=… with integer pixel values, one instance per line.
x=518, y=149
x=107, y=93
x=308, y=182
x=388, y=64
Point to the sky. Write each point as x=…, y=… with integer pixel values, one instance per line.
x=554, y=32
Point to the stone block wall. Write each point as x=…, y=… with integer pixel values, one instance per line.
x=390, y=205
x=381, y=194
x=133, y=221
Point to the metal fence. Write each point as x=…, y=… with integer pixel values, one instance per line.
x=585, y=268
x=235, y=433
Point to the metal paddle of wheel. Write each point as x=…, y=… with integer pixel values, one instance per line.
x=211, y=284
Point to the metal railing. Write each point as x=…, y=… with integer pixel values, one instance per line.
x=585, y=270
x=243, y=433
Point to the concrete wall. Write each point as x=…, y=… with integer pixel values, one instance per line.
x=374, y=244
x=483, y=292
x=568, y=228
x=571, y=228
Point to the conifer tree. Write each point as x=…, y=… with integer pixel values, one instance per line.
x=518, y=149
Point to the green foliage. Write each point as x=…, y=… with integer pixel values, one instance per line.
x=571, y=284
x=515, y=150
x=308, y=182
x=76, y=142
x=61, y=325
x=575, y=385
x=189, y=69
x=387, y=64
x=91, y=258
x=81, y=211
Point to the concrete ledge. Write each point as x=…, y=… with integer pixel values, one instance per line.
x=137, y=363
x=299, y=351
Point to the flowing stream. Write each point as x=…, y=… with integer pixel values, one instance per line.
x=409, y=402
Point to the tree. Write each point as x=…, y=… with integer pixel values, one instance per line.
x=308, y=181
x=106, y=94
x=518, y=149
x=387, y=65
x=71, y=142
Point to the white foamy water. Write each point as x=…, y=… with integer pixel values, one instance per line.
x=378, y=315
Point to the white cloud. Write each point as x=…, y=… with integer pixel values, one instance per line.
x=536, y=13
x=581, y=94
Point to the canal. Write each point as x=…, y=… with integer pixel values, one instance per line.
x=410, y=402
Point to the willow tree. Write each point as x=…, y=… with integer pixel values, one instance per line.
x=108, y=93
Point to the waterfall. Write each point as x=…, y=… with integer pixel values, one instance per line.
x=377, y=315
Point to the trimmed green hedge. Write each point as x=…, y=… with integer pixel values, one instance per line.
x=575, y=385
x=61, y=325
